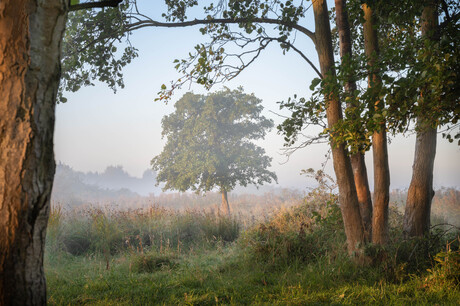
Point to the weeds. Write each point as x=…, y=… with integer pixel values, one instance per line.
x=109, y=232
x=298, y=256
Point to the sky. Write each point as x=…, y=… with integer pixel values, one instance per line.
x=97, y=128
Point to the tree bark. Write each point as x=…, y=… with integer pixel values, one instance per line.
x=225, y=205
x=379, y=139
x=342, y=165
x=30, y=44
x=420, y=194
x=358, y=163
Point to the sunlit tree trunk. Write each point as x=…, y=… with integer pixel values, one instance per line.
x=420, y=194
x=225, y=206
x=30, y=44
x=357, y=159
x=379, y=139
x=342, y=165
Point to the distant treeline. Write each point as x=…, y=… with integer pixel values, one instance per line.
x=115, y=187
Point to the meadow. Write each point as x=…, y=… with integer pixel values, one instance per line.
x=291, y=251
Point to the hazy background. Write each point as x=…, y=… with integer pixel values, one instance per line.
x=97, y=128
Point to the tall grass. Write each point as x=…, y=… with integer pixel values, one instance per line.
x=108, y=231
x=102, y=255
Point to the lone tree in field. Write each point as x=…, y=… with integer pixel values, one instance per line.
x=209, y=144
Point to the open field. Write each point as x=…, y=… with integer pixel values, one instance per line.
x=297, y=255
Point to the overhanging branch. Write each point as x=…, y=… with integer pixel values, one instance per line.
x=153, y=23
x=100, y=4
x=305, y=58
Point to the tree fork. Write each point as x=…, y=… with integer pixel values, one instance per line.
x=342, y=165
x=357, y=159
x=379, y=139
x=421, y=193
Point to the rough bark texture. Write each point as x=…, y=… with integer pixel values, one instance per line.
x=342, y=165
x=225, y=205
x=358, y=163
x=420, y=194
x=379, y=141
x=30, y=39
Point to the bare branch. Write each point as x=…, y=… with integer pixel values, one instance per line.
x=153, y=23
x=305, y=58
x=100, y=4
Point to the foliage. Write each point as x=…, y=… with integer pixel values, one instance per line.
x=302, y=235
x=90, y=49
x=446, y=271
x=305, y=233
x=238, y=32
x=418, y=79
x=209, y=143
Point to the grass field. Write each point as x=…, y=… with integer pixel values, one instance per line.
x=298, y=256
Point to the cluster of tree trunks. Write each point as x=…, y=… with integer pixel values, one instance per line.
x=341, y=160
x=357, y=159
x=379, y=138
x=417, y=214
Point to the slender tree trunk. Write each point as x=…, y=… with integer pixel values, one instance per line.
x=420, y=194
x=30, y=44
x=225, y=205
x=342, y=165
x=357, y=159
x=379, y=139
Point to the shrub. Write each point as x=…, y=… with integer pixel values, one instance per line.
x=151, y=262
x=303, y=233
x=446, y=270
x=76, y=237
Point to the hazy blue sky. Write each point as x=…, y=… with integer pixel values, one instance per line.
x=97, y=128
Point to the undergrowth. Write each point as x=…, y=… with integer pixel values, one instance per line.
x=157, y=256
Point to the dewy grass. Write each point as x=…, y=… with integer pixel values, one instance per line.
x=297, y=257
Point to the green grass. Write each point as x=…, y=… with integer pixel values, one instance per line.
x=227, y=277
x=298, y=257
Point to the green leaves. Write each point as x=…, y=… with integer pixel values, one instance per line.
x=315, y=83
x=91, y=49
x=209, y=143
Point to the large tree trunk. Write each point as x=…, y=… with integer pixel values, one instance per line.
x=420, y=194
x=379, y=140
x=225, y=206
x=358, y=163
x=342, y=166
x=30, y=43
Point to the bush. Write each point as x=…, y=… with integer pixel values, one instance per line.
x=305, y=233
x=403, y=257
x=446, y=271
x=75, y=237
x=151, y=262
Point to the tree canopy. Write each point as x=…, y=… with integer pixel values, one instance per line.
x=209, y=143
